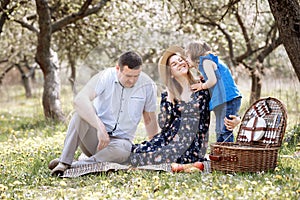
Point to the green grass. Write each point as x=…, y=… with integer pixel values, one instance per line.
x=28, y=142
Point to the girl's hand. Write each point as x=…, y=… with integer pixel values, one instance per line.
x=196, y=87
x=201, y=78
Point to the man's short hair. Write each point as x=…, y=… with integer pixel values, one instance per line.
x=131, y=59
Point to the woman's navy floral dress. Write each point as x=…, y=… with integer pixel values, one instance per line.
x=184, y=126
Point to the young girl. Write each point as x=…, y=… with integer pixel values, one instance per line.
x=225, y=96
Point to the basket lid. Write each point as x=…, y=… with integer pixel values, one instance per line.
x=264, y=123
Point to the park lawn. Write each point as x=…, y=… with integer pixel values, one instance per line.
x=28, y=142
x=24, y=174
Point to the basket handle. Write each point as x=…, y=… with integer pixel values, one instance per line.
x=214, y=158
x=232, y=158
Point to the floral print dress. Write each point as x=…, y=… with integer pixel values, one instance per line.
x=184, y=126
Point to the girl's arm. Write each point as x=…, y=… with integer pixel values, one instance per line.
x=209, y=69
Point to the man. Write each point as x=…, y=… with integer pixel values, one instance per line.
x=108, y=111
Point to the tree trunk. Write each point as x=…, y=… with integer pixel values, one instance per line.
x=72, y=77
x=25, y=81
x=255, y=87
x=51, y=96
x=287, y=17
x=27, y=86
x=51, y=93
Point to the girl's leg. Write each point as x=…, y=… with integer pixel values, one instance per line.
x=220, y=113
x=232, y=108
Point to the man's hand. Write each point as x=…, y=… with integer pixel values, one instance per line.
x=103, y=139
x=231, y=123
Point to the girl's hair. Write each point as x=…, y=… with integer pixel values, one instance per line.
x=172, y=84
x=197, y=49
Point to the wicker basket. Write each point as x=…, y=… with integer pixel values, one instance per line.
x=247, y=154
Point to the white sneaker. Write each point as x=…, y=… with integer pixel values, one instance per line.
x=59, y=169
x=82, y=157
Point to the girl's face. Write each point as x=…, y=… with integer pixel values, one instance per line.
x=178, y=66
x=190, y=61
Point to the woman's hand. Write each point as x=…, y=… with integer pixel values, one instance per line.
x=231, y=123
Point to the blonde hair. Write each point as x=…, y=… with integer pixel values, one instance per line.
x=171, y=83
x=197, y=49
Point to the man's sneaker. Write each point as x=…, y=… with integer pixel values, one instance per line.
x=59, y=169
x=53, y=163
x=82, y=157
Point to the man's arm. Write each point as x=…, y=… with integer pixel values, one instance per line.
x=83, y=104
x=151, y=125
x=232, y=123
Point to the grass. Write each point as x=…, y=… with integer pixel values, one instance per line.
x=28, y=142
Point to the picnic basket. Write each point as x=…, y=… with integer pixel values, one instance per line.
x=258, y=140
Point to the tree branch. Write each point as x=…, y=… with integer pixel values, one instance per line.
x=271, y=35
x=227, y=36
x=229, y=6
x=4, y=15
x=83, y=12
x=246, y=36
x=268, y=49
x=26, y=25
x=5, y=72
x=3, y=61
x=84, y=7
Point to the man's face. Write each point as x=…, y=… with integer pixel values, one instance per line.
x=128, y=77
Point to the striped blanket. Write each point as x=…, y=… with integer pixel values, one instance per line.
x=80, y=170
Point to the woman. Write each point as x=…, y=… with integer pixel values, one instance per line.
x=184, y=117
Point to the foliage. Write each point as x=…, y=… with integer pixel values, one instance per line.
x=293, y=136
x=148, y=27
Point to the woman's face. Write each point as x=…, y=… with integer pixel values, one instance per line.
x=178, y=66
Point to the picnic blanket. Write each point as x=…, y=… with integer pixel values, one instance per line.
x=80, y=170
